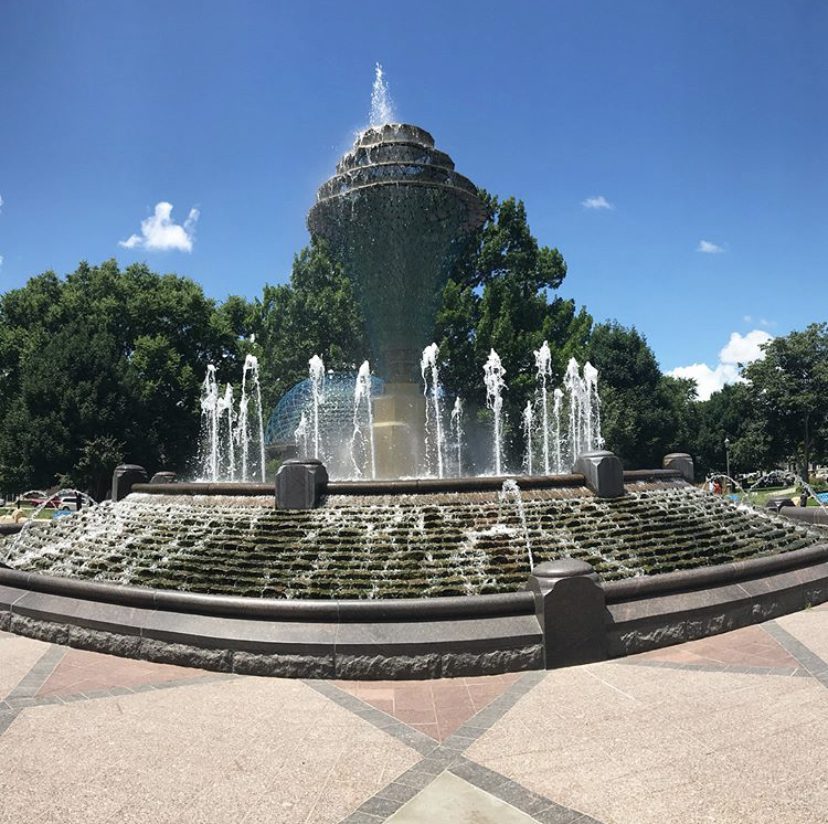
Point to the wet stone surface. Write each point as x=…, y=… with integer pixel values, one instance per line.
x=405, y=547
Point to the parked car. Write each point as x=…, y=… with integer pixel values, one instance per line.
x=779, y=502
x=776, y=478
x=36, y=499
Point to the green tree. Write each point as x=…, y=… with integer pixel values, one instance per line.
x=730, y=414
x=498, y=298
x=316, y=313
x=790, y=387
x=94, y=466
x=644, y=414
x=104, y=357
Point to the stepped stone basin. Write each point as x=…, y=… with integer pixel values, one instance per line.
x=411, y=579
x=375, y=546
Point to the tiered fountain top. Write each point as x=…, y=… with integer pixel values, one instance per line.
x=397, y=215
x=396, y=154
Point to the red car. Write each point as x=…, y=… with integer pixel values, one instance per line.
x=37, y=499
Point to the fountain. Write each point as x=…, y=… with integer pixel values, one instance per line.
x=222, y=430
x=363, y=450
x=543, y=364
x=397, y=215
x=416, y=576
x=493, y=373
x=457, y=428
x=317, y=376
x=434, y=416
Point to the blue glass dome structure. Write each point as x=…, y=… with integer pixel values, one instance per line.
x=335, y=412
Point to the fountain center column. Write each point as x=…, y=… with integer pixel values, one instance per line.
x=397, y=216
x=399, y=430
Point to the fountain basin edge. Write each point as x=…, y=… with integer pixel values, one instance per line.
x=414, y=638
x=479, y=483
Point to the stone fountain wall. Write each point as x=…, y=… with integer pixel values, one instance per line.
x=405, y=546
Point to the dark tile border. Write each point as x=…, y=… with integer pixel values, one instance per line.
x=539, y=807
x=785, y=672
x=415, y=739
x=23, y=695
x=448, y=755
x=809, y=660
x=112, y=692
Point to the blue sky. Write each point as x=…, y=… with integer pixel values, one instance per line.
x=700, y=125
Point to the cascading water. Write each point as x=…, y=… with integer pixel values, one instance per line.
x=493, y=373
x=543, y=365
x=434, y=418
x=457, y=427
x=363, y=415
x=363, y=548
x=316, y=369
x=528, y=427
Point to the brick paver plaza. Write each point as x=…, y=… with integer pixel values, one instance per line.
x=732, y=728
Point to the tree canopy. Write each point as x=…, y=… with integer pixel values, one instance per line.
x=644, y=414
x=790, y=389
x=498, y=298
x=315, y=313
x=104, y=366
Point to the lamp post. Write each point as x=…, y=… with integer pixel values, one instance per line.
x=727, y=462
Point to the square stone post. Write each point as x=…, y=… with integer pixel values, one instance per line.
x=602, y=472
x=571, y=609
x=124, y=476
x=681, y=462
x=300, y=484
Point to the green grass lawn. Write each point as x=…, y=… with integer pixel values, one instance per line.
x=44, y=515
x=759, y=497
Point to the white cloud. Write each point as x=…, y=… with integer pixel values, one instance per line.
x=1, y=203
x=1, y=260
x=739, y=350
x=597, y=202
x=709, y=248
x=744, y=348
x=160, y=233
x=707, y=380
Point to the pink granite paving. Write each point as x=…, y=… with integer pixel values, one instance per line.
x=82, y=671
x=436, y=708
x=747, y=647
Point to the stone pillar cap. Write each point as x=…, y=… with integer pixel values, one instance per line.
x=563, y=568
